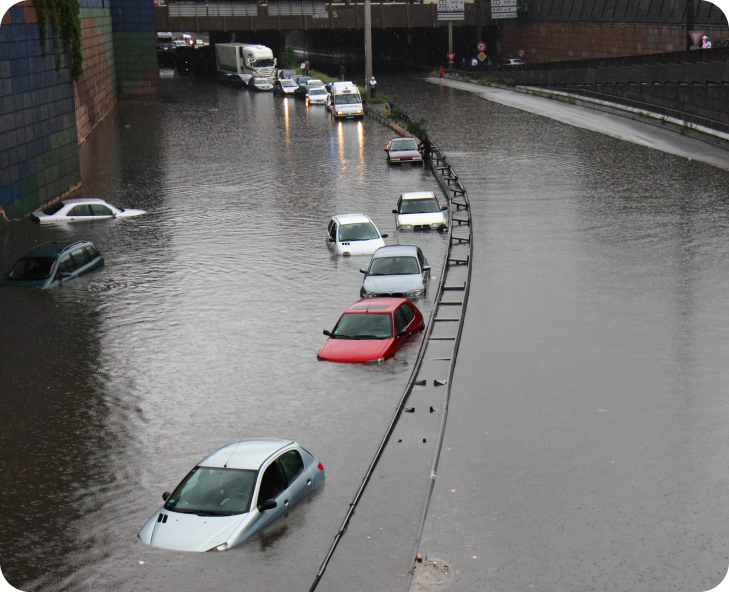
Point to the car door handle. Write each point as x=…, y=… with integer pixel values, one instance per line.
x=308, y=481
x=286, y=502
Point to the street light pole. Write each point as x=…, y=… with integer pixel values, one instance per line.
x=368, y=42
x=689, y=22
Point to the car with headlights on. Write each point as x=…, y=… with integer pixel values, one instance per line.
x=353, y=234
x=284, y=86
x=308, y=85
x=260, y=83
x=372, y=330
x=82, y=210
x=316, y=96
x=399, y=271
x=420, y=210
x=54, y=263
x=401, y=150
x=232, y=494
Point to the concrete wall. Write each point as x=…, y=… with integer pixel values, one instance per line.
x=38, y=137
x=135, y=49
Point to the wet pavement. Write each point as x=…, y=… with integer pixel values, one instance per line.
x=586, y=441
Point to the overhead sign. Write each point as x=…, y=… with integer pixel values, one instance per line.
x=501, y=9
x=451, y=57
x=482, y=56
x=451, y=10
x=481, y=46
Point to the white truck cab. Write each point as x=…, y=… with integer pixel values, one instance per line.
x=244, y=58
x=345, y=100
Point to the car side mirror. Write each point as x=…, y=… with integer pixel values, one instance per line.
x=444, y=208
x=331, y=240
x=363, y=271
x=327, y=332
x=65, y=274
x=267, y=505
x=166, y=495
x=426, y=267
x=402, y=333
x=394, y=211
x=384, y=235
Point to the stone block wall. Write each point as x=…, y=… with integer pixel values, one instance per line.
x=135, y=49
x=38, y=137
x=95, y=90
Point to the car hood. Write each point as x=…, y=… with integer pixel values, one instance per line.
x=353, y=350
x=392, y=283
x=131, y=212
x=423, y=218
x=404, y=154
x=189, y=532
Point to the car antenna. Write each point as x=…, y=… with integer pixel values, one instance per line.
x=231, y=454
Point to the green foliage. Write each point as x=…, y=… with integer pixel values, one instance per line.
x=417, y=127
x=288, y=58
x=63, y=17
x=495, y=80
x=396, y=114
x=466, y=79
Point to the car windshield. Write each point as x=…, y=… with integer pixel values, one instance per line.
x=210, y=491
x=53, y=209
x=314, y=82
x=357, y=325
x=419, y=206
x=317, y=91
x=347, y=99
x=404, y=145
x=358, y=231
x=394, y=266
x=288, y=83
x=263, y=63
x=260, y=81
x=32, y=268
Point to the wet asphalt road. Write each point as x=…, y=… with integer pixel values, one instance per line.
x=586, y=442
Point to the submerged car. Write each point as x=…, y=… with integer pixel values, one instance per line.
x=232, y=494
x=403, y=150
x=316, y=96
x=420, y=210
x=54, y=263
x=353, y=234
x=80, y=210
x=234, y=80
x=399, y=271
x=371, y=331
x=260, y=83
x=305, y=87
x=284, y=86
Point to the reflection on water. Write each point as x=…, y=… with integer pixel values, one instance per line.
x=201, y=329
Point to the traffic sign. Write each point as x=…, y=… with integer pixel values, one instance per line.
x=696, y=36
x=482, y=56
x=521, y=53
x=451, y=57
x=481, y=46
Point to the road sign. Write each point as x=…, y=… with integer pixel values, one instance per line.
x=450, y=10
x=481, y=46
x=521, y=53
x=696, y=36
x=451, y=57
x=502, y=15
x=503, y=2
x=482, y=56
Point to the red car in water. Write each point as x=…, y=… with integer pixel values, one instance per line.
x=372, y=330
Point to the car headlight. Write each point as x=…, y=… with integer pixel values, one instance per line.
x=339, y=112
x=375, y=361
x=436, y=224
x=394, y=159
x=223, y=547
x=406, y=227
x=360, y=111
x=413, y=293
x=366, y=294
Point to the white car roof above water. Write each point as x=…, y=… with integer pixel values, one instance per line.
x=246, y=454
x=418, y=195
x=396, y=251
x=351, y=218
x=83, y=200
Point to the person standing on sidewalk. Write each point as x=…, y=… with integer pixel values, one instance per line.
x=341, y=71
x=373, y=86
x=426, y=147
x=306, y=66
x=441, y=72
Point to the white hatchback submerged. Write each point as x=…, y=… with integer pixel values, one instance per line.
x=420, y=210
x=80, y=210
x=353, y=234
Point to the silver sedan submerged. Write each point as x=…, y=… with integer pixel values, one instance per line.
x=80, y=210
x=396, y=271
x=232, y=494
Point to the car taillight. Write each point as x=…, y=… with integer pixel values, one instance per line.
x=320, y=467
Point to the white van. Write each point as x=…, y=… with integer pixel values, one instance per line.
x=345, y=101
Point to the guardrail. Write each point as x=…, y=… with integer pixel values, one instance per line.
x=448, y=311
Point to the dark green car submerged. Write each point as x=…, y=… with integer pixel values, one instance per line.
x=54, y=263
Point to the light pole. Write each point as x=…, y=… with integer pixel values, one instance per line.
x=368, y=42
x=689, y=22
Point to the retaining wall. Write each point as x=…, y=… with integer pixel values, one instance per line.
x=135, y=49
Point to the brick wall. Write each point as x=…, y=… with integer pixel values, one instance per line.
x=95, y=90
x=38, y=138
x=544, y=42
x=135, y=49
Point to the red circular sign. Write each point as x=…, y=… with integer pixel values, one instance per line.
x=481, y=46
x=522, y=53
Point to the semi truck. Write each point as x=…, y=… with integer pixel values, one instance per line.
x=244, y=58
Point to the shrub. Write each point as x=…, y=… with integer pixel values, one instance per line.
x=417, y=127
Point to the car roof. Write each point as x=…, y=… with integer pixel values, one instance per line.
x=401, y=139
x=83, y=200
x=417, y=195
x=396, y=251
x=351, y=218
x=53, y=249
x=250, y=453
x=376, y=305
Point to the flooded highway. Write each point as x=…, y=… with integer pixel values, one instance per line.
x=586, y=445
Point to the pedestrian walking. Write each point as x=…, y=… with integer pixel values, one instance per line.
x=441, y=72
x=341, y=71
x=306, y=66
x=474, y=63
x=373, y=86
x=426, y=147
x=463, y=64
x=303, y=67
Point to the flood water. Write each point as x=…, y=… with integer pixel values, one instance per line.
x=586, y=445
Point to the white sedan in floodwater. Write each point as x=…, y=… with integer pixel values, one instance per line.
x=353, y=234
x=232, y=494
x=79, y=210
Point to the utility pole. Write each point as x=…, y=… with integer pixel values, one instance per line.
x=689, y=22
x=368, y=42
x=450, y=42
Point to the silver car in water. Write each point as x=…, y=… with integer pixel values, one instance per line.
x=398, y=271
x=232, y=494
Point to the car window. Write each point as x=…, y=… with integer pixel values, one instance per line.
x=271, y=484
x=419, y=206
x=400, y=319
x=292, y=464
x=357, y=325
x=101, y=210
x=32, y=268
x=393, y=266
x=404, y=145
x=80, y=257
x=408, y=312
x=82, y=210
x=214, y=492
x=49, y=211
x=333, y=230
x=91, y=253
x=357, y=231
x=67, y=265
